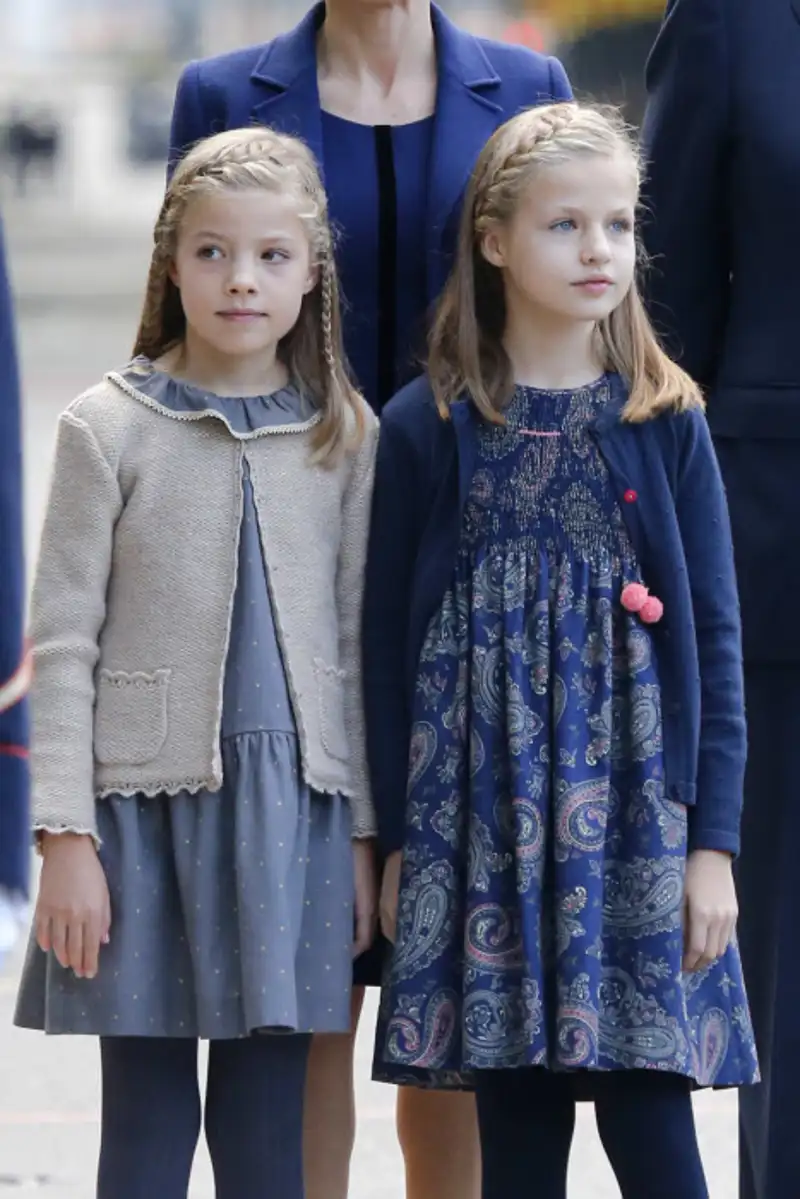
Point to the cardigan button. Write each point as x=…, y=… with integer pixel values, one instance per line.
x=630, y=496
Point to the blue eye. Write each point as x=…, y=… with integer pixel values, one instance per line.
x=208, y=252
x=275, y=255
x=564, y=226
x=621, y=226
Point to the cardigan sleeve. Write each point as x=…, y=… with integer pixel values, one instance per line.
x=14, y=841
x=393, y=546
x=708, y=548
x=67, y=614
x=349, y=602
x=686, y=202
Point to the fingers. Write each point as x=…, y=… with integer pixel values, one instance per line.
x=706, y=939
x=58, y=933
x=92, y=937
x=75, y=943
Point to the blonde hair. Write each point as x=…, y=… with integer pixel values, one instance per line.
x=466, y=352
x=261, y=158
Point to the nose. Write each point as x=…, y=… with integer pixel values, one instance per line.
x=241, y=279
x=595, y=248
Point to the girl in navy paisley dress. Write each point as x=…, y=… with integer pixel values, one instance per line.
x=563, y=931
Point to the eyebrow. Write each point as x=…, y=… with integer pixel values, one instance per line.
x=568, y=208
x=211, y=235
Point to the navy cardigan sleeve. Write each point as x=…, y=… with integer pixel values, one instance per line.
x=704, y=524
x=14, y=821
x=391, y=560
x=685, y=225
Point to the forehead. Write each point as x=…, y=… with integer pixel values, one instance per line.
x=586, y=182
x=253, y=212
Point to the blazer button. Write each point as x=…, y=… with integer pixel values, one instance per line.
x=630, y=496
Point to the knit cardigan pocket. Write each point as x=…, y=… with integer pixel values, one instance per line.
x=130, y=725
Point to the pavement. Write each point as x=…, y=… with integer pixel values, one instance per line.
x=49, y=1096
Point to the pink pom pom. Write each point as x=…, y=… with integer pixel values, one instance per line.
x=651, y=610
x=634, y=597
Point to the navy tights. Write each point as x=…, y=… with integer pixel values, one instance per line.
x=152, y=1116
x=645, y=1121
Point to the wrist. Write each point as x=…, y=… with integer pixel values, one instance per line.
x=45, y=840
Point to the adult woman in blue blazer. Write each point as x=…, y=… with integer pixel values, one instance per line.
x=724, y=143
x=14, y=823
x=396, y=103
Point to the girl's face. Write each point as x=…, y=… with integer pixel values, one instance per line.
x=569, y=249
x=243, y=266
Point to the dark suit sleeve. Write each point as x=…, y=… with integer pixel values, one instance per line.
x=685, y=137
x=14, y=820
x=387, y=600
x=189, y=123
x=708, y=549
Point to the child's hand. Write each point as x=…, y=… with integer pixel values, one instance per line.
x=73, y=911
x=366, y=896
x=710, y=908
x=390, y=891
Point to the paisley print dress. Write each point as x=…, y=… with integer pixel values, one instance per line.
x=541, y=903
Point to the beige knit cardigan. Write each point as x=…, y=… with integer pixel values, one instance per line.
x=133, y=597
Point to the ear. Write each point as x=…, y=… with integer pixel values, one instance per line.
x=493, y=246
x=172, y=271
x=312, y=279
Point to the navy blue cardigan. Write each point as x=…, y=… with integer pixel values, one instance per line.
x=665, y=475
x=14, y=820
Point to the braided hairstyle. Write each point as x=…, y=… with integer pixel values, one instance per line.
x=259, y=158
x=466, y=353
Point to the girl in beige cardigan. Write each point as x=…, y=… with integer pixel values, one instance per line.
x=199, y=780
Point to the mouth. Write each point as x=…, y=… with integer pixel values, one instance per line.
x=595, y=283
x=240, y=314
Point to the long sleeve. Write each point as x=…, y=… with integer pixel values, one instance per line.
x=349, y=602
x=67, y=614
x=708, y=548
x=686, y=214
x=393, y=546
x=14, y=819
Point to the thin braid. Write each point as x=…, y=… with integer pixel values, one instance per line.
x=543, y=125
x=328, y=286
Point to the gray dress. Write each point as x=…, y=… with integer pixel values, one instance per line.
x=232, y=911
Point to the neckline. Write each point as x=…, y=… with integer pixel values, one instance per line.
x=594, y=385
x=419, y=123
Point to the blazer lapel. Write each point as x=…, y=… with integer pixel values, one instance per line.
x=466, y=116
x=288, y=73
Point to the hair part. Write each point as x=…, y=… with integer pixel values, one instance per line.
x=260, y=158
x=466, y=351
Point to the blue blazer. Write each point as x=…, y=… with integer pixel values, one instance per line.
x=721, y=211
x=676, y=514
x=14, y=819
x=481, y=84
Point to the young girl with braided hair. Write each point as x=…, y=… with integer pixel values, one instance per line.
x=201, y=796
x=557, y=742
